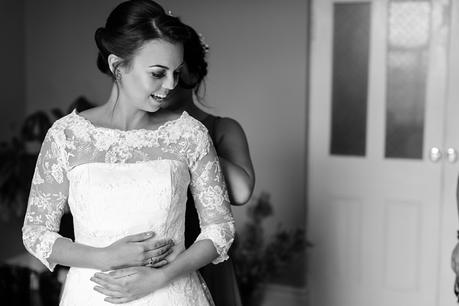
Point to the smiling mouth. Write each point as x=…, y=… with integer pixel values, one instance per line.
x=159, y=98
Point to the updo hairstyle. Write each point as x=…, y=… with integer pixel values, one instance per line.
x=195, y=51
x=130, y=25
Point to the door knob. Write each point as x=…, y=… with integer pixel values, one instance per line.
x=435, y=154
x=451, y=155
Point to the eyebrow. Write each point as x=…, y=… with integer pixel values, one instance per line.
x=167, y=68
x=160, y=66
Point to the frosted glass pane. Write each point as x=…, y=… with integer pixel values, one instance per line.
x=408, y=44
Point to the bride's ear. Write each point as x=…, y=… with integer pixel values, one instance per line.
x=114, y=62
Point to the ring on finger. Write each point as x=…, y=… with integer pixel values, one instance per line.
x=150, y=262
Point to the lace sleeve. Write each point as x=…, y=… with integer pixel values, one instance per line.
x=47, y=198
x=211, y=197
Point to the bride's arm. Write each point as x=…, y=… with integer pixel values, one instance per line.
x=48, y=195
x=129, y=284
x=135, y=250
x=215, y=218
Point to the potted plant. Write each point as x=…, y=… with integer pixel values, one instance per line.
x=17, y=163
x=256, y=260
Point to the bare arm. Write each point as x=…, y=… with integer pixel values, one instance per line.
x=233, y=151
x=129, y=284
x=133, y=250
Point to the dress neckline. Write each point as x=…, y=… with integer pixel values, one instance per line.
x=135, y=131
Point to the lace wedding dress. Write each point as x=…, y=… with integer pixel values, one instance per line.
x=119, y=183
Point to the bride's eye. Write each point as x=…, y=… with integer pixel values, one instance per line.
x=158, y=75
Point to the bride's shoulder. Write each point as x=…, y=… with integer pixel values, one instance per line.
x=193, y=129
x=73, y=124
x=93, y=114
x=189, y=121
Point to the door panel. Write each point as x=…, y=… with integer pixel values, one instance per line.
x=374, y=215
x=449, y=219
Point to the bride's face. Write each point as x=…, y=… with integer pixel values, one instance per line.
x=180, y=94
x=151, y=74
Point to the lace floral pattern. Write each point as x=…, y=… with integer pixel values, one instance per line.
x=124, y=182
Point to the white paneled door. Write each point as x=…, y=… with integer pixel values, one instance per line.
x=383, y=134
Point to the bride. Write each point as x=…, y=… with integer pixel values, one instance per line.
x=124, y=168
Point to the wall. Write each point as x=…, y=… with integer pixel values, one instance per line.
x=12, y=101
x=257, y=75
x=12, y=87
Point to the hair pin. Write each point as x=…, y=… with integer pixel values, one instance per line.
x=204, y=45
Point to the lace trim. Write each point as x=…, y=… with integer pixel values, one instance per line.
x=39, y=242
x=218, y=234
x=133, y=131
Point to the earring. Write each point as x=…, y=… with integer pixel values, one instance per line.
x=117, y=74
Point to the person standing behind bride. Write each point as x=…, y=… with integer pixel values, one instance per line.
x=233, y=152
x=124, y=168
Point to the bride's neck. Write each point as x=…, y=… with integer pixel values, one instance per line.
x=121, y=115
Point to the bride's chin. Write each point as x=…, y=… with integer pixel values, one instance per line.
x=154, y=103
x=151, y=108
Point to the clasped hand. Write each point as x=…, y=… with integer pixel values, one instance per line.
x=137, y=250
x=129, y=284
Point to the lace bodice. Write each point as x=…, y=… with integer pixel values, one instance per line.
x=124, y=182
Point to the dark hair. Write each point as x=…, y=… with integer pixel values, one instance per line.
x=195, y=59
x=130, y=25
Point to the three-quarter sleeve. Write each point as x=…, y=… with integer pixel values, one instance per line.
x=47, y=198
x=210, y=196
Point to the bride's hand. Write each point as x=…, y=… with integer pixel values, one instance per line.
x=128, y=284
x=136, y=250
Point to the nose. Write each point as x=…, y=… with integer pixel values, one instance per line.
x=170, y=81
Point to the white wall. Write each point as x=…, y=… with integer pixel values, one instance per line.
x=257, y=75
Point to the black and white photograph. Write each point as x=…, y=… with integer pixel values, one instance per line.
x=229, y=153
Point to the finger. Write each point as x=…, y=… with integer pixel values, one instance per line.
x=121, y=300
x=153, y=244
x=104, y=276
x=160, y=264
x=156, y=259
x=122, y=272
x=106, y=284
x=159, y=251
x=108, y=293
x=139, y=237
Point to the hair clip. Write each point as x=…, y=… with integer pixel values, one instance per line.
x=204, y=46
